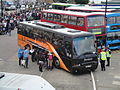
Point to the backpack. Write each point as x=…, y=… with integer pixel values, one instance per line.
x=50, y=57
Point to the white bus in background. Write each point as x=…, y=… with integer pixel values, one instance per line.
x=13, y=81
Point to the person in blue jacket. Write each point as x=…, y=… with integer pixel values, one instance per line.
x=20, y=54
x=26, y=56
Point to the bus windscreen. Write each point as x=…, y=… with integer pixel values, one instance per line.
x=83, y=45
x=95, y=21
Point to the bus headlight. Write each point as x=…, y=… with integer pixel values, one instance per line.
x=76, y=65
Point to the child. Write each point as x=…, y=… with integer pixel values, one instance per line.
x=50, y=60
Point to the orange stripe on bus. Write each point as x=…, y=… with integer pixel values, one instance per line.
x=45, y=45
x=62, y=65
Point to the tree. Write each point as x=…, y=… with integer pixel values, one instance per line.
x=82, y=1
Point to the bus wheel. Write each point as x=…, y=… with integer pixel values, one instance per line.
x=57, y=63
x=73, y=71
x=93, y=70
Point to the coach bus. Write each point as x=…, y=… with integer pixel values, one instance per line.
x=91, y=9
x=73, y=50
x=113, y=30
x=94, y=23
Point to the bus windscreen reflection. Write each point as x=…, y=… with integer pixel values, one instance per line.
x=83, y=45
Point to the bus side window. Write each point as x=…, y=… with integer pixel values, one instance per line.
x=46, y=36
x=27, y=32
x=64, y=18
x=42, y=35
x=24, y=32
x=50, y=16
x=68, y=48
x=31, y=34
x=19, y=30
x=72, y=20
x=49, y=38
x=80, y=21
x=54, y=39
x=44, y=15
x=57, y=17
x=57, y=39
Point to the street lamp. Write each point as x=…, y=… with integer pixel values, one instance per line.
x=105, y=13
x=1, y=8
x=106, y=10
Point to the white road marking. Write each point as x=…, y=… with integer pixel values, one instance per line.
x=42, y=72
x=117, y=77
x=93, y=80
x=1, y=59
x=116, y=82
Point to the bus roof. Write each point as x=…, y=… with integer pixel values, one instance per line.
x=108, y=13
x=63, y=4
x=89, y=9
x=13, y=81
x=70, y=12
x=69, y=4
x=64, y=31
x=109, y=7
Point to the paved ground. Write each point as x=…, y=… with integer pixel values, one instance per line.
x=60, y=79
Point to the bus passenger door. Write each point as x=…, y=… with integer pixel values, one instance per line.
x=65, y=53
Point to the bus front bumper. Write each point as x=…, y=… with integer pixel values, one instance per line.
x=85, y=67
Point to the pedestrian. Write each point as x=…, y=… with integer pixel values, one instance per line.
x=103, y=58
x=50, y=60
x=41, y=61
x=33, y=51
x=109, y=54
x=46, y=59
x=26, y=56
x=7, y=25
x=20, y=54
x=9, y=29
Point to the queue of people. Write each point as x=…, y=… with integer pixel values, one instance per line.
x=42, y=57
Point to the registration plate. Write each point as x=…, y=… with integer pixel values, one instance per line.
x=88, y=66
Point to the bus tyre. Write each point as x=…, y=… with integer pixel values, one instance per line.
x=92, y=70
x=57, y=63
x=73, y=71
